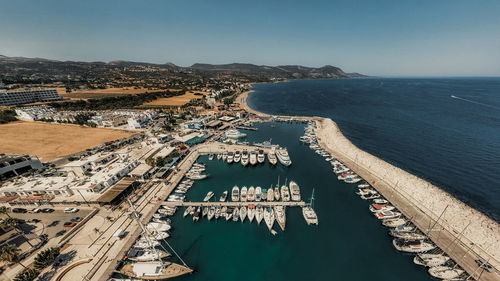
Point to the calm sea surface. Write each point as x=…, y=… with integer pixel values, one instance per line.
x=446, y=130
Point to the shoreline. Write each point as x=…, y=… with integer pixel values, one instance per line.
x=478, y=234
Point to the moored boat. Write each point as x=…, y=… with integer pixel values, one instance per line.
x=237, y=156
x=412, y=246
x=243, y=213
x=270, y=194
x=259, y=214
x=251, y=194
x=295, y=191
x=154, y=270
x=445, y=272
x=269, y=217
x=244, y=158
x=253, y=157
x=209, y=195
x=283, y=157
x=261, y=157
x=280, y=213
x=251, y=212
x=258, y=193
x=271, y=156
x=285, y=193
x=223, y=197
x=243, y=194
x=235, y=194
x=430, y=260
x=394, y=222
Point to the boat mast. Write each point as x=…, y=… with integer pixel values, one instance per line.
x=312, y=198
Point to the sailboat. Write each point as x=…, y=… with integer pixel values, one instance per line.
x=309, y=213
x=243, y=194
x=251, y=194
x=251, y=212
x=258, y=194
x=270, y=194
x=243, y=213
x=269, y=218
x=259, y=214
x=280, y=212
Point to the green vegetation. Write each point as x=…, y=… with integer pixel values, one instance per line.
x=110, y=103
x=46, y=258
x=27, y=275
x=162, y=161
x=9, y=253
x=7, y=116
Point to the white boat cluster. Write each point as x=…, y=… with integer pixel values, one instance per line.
x=254, y=157
x=196, y=172
x=407, y=238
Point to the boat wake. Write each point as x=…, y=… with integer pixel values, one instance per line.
x=475, y=102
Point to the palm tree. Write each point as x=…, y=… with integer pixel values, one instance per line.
x=46, y=258
x=27, y=275
x=12, y=222
x=10, y=253
x=4, y=211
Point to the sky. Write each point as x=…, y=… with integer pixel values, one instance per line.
x=373, y=37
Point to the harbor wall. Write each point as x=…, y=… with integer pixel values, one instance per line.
x=460, y=226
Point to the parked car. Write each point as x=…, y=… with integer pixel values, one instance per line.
x=19, y=210
x=47, y=210
x=485, y=265
x=69, y=224
x=71, y=210
x=35, y=220
x=34, y=211
x=76, y=219
x=54, y=223
x=60, y=233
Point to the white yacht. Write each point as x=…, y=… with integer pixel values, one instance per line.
x=269, y=217
x=430, y=260
x=211, y=213
x=387, y=215
x=224, y=156
x=285, y=193
x=244, y=158
x=251, y=194
x=380, y=207
x=446, y=272
x=309, y=213
x=146, y=244
x=407, y=235
x=270, y=194
x=235, y=194
x=412, y=246
x=223, y=197
x=394, y=222
x=210, y=156
x=259, y=214
x=230, y=157
x=243, y=213
x=243, y=194
x=237, y=156
x=217, y=212
x=251, y=212
x=236, y=214
x=158, y=226
x=258, y=194
x=280, y=216
x=261, y=157
x=209, y=195
x=277, y=193
x=137, y=254
x=253, y=157
x=283, y=157
x=234, y=134
x=271, y=156
x=188, y=211
x=295, y=191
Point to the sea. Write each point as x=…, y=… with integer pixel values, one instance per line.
x=412, y=123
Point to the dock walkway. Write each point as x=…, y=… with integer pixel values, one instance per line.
x=236, y=204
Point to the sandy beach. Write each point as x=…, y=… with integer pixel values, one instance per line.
x=478, y=235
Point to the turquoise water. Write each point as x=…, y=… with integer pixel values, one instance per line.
x=348, y=244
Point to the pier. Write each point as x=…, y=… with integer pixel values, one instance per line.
x=235, y=204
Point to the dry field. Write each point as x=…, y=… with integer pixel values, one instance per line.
x=176, y=101
x=99, y=93
x=51, y=141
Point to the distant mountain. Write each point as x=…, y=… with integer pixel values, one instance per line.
x=37, y=70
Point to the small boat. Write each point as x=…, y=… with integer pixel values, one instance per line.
x=269, y=218
x=251, y=212
x=211, y=213
x=197, y=214
x=295, y=191
x=235, y=194
x=412, y=246
x=394, y=222
x=236, y=214
x=285, y=194
x=380, y=201
x=270, y=194
x=251, y=194
x=283, y=157
x=243, y=194
x=160, y=235
x=430, y=260
x=217, y=213
x=271, y=156
x=259, y=214
x=204, y=212
x=138, y=254
x=387, y=215
x=261, y=157
x=154, y=270
x=224, y=156
x=237, y=156
x=209, y=195
x=219, y=156
x=243, y=213
x=277, y=193
x=234, y=134
x=445, y=272
x=407, y=235
x=210, y=156
x=253, y=157
x=258, y=194
x=244, y=158
x=158, y=226
x=380, y=207
x=308, y=212
x=223, y=197
x=146, y=244
x=188, y=211
x=229, y=213
x=280, y=213
x=230, y=157
x=160, y=216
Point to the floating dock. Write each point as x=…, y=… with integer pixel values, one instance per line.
x=235, y=204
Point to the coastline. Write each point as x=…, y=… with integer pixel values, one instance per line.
x=460, y=230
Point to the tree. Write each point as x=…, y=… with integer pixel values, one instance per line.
x=46, y=258
x=12, y=222
x=9, y=253
x=4, y=211
x=27, y=275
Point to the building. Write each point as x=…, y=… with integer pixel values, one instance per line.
x=28, y=96
x=14, y=165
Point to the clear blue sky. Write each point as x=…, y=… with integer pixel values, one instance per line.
x=375, y=37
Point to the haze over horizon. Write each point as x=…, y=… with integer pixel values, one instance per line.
x=382, y=38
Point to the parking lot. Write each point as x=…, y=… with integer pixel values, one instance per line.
x=51, y=224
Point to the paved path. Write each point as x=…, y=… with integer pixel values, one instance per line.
x=236, y=204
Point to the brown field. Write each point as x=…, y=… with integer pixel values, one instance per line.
x=51, y=141
x=176, y=101
x=99, y=93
